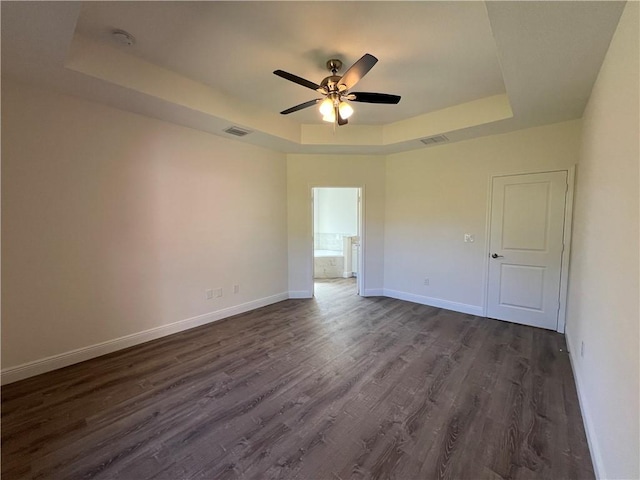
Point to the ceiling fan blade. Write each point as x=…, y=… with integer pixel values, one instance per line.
x=341, y=121
x=367, y=97
x=310, y=103
x=296, y=79
x=357, y=71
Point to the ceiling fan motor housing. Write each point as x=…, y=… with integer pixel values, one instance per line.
x=330, y=83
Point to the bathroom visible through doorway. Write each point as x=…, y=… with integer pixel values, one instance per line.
x=337, y=235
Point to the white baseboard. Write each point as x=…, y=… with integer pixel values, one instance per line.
x=300, y=294
x=373, y=292
x=592, y=440
x=30, y=369
x=347, y=274
x=435, y=302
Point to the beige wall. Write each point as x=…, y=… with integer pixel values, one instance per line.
x=436, y=195
x=603, y=285
x=114, y=223
x=307, y=171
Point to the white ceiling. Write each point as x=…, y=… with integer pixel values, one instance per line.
x=464, y=69
x=235, y=46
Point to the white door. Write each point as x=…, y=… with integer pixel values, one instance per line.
x=525, y=248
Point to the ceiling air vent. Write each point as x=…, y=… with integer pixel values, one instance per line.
x=237, y=131
x=435, y=139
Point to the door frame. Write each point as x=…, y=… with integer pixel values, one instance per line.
x=360, y=282
x=566, y=240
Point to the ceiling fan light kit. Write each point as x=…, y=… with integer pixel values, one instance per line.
x=335, y=88
x=326, y=106
x=345, y=110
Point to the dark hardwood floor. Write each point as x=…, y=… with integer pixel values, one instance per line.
x=333, y=388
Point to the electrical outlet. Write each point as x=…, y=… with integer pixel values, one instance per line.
x=236, y=289
x=469, y=238
x=581, y=349
x=209, y=294
x=218, y=292
x=426, y=282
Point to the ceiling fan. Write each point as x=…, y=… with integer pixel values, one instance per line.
x=335, y=88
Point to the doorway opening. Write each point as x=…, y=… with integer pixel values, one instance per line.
x=337, y=239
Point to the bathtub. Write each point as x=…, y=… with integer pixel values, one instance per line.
x=328, y=264
x=327, y=253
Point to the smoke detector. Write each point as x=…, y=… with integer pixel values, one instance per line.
x=123, y=38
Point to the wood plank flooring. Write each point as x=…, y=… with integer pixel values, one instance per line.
x=339, y=387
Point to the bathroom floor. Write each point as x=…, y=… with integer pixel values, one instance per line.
x=328, y=287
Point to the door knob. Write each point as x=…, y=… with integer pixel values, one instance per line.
x=495, y=255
